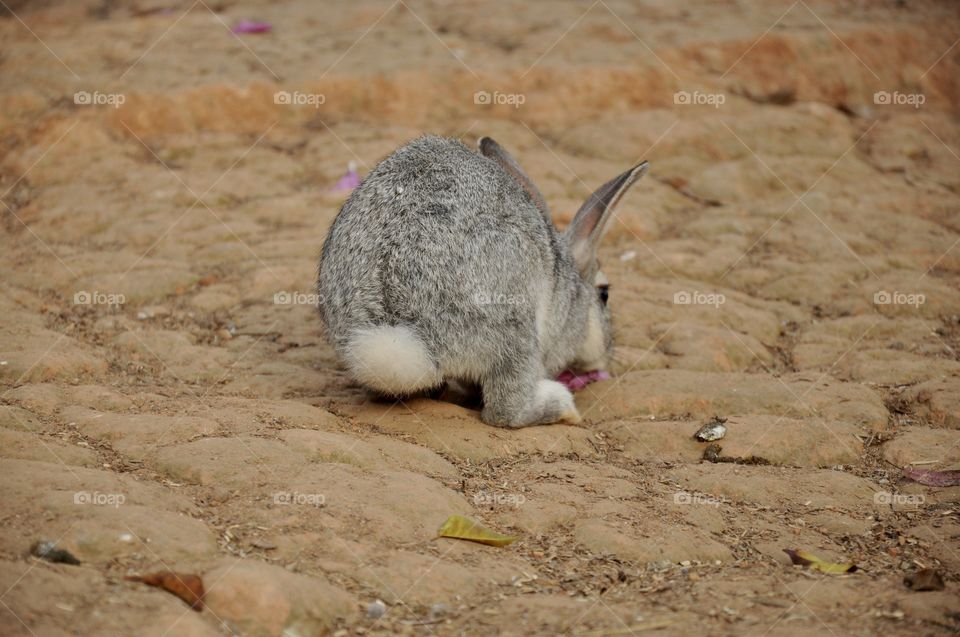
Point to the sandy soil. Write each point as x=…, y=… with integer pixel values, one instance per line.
x=169, y=402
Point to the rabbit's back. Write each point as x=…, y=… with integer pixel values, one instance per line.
x=437, y=246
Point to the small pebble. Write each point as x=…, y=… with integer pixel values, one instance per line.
x=712, y=452
x=376, y=609
x=926, y=579
x=48, y=551
x=713, y=430
x=152, y=311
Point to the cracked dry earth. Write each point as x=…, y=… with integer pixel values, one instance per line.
x=202, y=427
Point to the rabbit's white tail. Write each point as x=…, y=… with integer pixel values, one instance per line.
x=392, y=360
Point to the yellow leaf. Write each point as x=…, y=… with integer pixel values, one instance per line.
x=462, y=528
x=805, y=558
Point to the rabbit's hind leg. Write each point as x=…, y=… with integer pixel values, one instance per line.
x=520, y=396
x=392, y=360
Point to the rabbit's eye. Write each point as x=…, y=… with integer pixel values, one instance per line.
x=603, y=291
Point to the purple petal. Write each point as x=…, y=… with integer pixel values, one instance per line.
x=347, y=183
x=933, y=478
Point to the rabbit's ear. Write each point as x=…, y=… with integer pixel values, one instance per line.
x=587, y=228
x=492, y=150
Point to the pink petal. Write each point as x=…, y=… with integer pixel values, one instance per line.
x=574, y=382
x=249, y=26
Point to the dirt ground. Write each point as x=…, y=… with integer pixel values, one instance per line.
x=791, y=264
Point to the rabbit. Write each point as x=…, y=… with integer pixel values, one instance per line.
x=444, y=265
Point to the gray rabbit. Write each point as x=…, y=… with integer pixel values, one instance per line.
x=444, y=264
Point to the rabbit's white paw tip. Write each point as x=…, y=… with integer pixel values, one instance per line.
x=556, y=402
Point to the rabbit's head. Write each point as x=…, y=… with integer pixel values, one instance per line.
x=582, y=238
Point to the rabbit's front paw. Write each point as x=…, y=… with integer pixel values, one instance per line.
x=523, y=399
x=554, y=403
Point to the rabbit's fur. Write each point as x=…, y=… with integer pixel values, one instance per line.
x=444, y=265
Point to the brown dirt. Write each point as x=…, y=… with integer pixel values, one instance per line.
x=199, y=426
